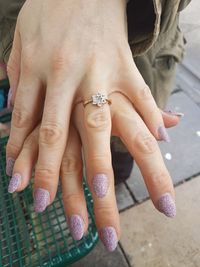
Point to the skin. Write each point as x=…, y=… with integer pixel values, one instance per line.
x=50, y=72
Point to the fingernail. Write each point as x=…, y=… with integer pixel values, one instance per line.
x=14, y=182
x=76, y=226
x=9, y=166
x=163, y=134
x=109, y=238
x=9, y=98
x=167, y=205
x=100, y=185
x=179, y=114
x=41, y=199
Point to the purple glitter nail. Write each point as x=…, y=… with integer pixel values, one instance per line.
x=9, y=166
x=163, y=134
x=167, y=205
x=14, y=182
x=76, y=226
x=41, y=199
x=100, y=185
x=109, y=238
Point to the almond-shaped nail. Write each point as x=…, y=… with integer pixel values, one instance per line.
x=179, y=114
x=100, y=185
x=109, y=238
x=163, y=135
x=9, y=98
x=41, y=199
x=9, y=166
x=167, y=205
x=14, y=183
x=76, y=226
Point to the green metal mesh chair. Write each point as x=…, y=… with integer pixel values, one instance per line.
x=28, y=239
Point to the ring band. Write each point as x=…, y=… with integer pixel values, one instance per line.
x=98, y=100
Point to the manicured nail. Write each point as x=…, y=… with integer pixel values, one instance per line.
x=163, y=134
x=76, y=226
x=167, y=205
x=109, y=238
x=100, y=185
x=41, y=199
x=179, y=114
x=9, y=166
x=14, y=182
x=9, y=98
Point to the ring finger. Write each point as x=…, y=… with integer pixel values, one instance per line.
x=94, y=125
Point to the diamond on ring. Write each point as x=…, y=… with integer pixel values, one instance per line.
x=99, y=99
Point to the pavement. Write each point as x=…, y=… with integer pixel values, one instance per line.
x=149, y=239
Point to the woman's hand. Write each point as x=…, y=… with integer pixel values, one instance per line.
x=71, y=173
x=63, y=53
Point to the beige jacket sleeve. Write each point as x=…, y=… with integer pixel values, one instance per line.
x=149, y=18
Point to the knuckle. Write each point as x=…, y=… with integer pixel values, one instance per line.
x=12, y=147
x=72, y=198
x=70, y=164
x=20, y=117
x=61, y=61
x=145, y=143
x=144, y=93
x=105, y=211
x=98, y=119
x=47, y=172
x=159, y=180
x=50, y=134
x=101, y=160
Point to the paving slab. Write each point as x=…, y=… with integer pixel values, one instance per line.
x=150, y=239
x=99, y=257
x=182, y=154
x=188, y=82
x=124, y=199
x=136, y=185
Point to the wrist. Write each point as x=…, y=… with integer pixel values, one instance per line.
x=110, y=16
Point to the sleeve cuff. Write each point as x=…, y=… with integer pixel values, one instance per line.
x=143, y=24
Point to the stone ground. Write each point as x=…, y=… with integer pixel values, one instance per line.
x=149, y=239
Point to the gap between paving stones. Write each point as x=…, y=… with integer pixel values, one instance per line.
x=136, y=202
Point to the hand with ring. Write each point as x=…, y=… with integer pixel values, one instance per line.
x=74, y=83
